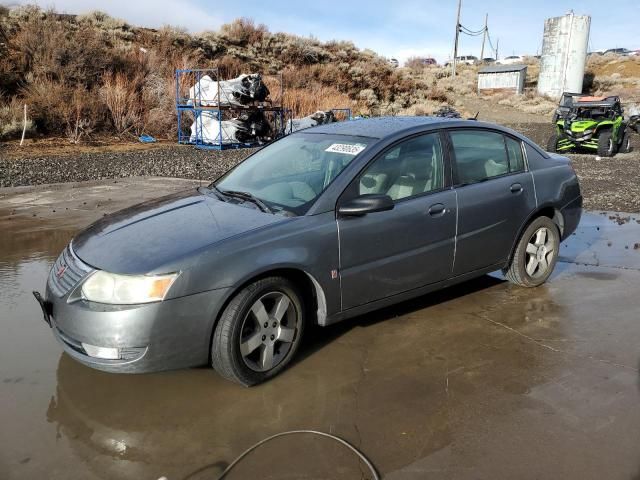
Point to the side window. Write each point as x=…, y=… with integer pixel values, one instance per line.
x=479, y=155
x=516, y=159
x=411, y=168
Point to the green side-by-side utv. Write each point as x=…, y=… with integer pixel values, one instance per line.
x=590, y=123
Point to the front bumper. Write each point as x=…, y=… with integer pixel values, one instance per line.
x=174, y=333
x=577, y=140
x=165, y=335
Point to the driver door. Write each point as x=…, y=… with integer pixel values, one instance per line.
x=412, y=245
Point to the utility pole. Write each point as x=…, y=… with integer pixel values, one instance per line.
x=455, y=45
x=497, y=43
x=484, y=35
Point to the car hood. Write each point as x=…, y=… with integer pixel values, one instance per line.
x=142, y=238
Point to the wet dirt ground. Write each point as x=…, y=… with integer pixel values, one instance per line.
x=480, y=381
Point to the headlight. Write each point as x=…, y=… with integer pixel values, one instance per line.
x=104, y=287
x=587, y=132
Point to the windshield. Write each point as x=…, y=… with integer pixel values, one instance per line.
x=290, y=174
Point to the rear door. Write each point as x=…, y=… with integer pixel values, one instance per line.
x=495, y=196
x=390, y=252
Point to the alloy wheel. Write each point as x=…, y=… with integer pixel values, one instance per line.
x=539, y=253
x=268, y=331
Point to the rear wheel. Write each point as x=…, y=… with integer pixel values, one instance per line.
x=625, y=146
x=552, y=143
x=259, y=332
x=536, y=254
x=606, y=145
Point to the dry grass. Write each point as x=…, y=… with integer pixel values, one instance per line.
x=614, y=75
x=530, y=102
x=12, y=118
x=304, y=101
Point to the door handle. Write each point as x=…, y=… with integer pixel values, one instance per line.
x=437, y=209
x=516, y=188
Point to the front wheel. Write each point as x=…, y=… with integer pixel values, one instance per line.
x=259, y=331
x=536, y=254
x=606, y=145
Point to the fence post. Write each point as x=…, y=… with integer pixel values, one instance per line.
x=24, y=124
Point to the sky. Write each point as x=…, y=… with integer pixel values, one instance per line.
x=396, y=29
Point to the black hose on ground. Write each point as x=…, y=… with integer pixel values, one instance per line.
x=360, y=455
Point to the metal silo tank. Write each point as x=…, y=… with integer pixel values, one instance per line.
x=564, y=54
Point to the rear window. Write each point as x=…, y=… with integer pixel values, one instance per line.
x=516, y=158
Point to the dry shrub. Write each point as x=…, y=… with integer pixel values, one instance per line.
x=81, y=115
x=159, y=106
x=243, y=31
x=56, y=108
x=47, y=46
x=121, y=96
x=302, y=51
x=47, y=101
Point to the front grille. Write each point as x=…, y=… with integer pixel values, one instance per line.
x=66, y=272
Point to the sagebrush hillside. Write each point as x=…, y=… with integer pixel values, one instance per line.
x=87, y=74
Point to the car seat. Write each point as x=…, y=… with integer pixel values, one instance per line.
x=494, y=169
x=417, y=178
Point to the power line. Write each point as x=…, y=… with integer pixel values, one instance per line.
x=468, y=31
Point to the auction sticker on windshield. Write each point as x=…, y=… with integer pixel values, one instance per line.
x=346, y=148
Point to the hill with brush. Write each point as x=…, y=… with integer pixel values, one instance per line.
x=93, y=74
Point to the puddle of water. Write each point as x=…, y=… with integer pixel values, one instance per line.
x=28, y=353
x=405, y=385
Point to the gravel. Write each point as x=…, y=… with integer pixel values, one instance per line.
x=171, y=161
x=607, y=183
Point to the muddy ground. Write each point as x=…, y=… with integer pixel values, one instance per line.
x=479, y=381
x=607, y=183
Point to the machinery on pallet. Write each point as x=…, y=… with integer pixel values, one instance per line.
x=242, y=112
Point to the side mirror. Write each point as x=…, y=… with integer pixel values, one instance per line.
x=368, y=203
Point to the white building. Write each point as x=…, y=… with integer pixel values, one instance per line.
x=502, y=78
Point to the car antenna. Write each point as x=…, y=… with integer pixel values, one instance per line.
x=475, y=117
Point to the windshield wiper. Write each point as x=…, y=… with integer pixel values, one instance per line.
x=246, y=196
x=215, y=190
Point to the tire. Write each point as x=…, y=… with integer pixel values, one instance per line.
x=276, y=327
x=524, y=271
x=625, y=146
x=606, y=145
x=552, y=143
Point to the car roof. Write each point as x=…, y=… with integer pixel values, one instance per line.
x=383, y=127
x=379, y=127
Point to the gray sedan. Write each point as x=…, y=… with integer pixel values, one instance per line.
x=317, y=227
